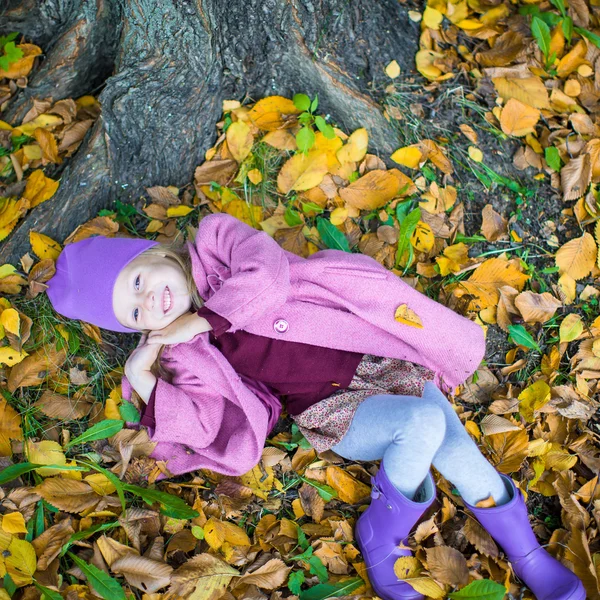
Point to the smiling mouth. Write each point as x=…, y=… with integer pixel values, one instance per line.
x=167, y=301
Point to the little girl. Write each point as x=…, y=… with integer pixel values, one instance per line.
x=243, y=322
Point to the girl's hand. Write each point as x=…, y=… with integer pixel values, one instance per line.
x=182, y=330
x=141, y=359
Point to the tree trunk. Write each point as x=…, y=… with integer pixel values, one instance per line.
x=167, y=66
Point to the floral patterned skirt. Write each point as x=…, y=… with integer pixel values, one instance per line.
x=324, y=424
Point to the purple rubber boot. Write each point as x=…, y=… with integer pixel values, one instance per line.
x=509, y=525
x=382, y=527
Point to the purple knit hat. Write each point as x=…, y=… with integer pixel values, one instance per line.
x=86, y=271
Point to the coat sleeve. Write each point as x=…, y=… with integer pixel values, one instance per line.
x=259, y=279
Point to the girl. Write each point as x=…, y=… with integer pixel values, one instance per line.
x=243, y=322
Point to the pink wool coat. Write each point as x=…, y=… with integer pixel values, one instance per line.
x=207, y=417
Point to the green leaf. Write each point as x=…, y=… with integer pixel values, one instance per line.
x=549, y=18
x=11, y=55
x=553, y=158
x=409, y=224
x=480, y=589
x=104, y=585
x=99, y=431
x=295, y=581
x=560, y=5
x=314, y=104
x=47, y=593
x=567, y=27
x=541, y=33
x=328, y=590
x=332, y=237
x=170, y=505
x=318, y=568
x=198, y=532
x=4, y=39
x=19, y=469
x=6, y=270
x=519, y=335
x=311, y=207
x=292, y=217
x=301, y=102
x=86, y=533
x=305, y=139
x=326, y=492
x=324, y=128
x=594, y=38
x=129, y=412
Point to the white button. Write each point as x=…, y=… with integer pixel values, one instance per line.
x=281, y=325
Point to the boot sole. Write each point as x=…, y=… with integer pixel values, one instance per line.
x=380, y=592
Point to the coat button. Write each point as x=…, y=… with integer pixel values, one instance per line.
x=281, y=325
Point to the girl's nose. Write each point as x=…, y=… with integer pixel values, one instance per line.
x=149, y=301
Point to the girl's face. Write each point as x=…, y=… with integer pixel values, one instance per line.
x=150, y=293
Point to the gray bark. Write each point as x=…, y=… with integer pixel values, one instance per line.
x=168, y=65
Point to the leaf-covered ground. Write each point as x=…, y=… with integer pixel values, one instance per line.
x=489, y=205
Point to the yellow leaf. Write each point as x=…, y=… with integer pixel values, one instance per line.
x=408, y=156
x=529, y=90
x=453, y=259
x=45, y=121
x=14, y=523
x=426, y=586
x=46, y=452
x=179, y=211
x=425, y=60
x=18, y=557
x=533, y=398
x=39, y=188
x=355, y=148
x=432, y=18
x=10, y=357
x=571, y=328
x=338, y=215
x=22, y=66
x=248, y=213
x=473, y=429
x=10, y=321
x=48, y=145
x=10, y=427
x=392, y=70
x=372, y=190
x=518, y=119
x=44, y=246
x=348, y=488
x=422, y=238
x=255, y=176
x=272, y=113
x=239, y=140
x=475, y=154
x=281, y=139
x=577, y=257
x=302, y=172
x=407, y=316
x=407, y=567
x=100, y=484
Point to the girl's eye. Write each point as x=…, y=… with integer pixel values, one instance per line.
x=135, y=314
x=137, y=282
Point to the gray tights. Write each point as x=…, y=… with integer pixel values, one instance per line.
x=410, y=434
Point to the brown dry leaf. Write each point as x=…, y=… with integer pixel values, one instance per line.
x=34, y=369
x=204, y=575
x=48, y=145
x=49, y=544
x=528, y=90
x=577, y=257
x=492, y=424
x=143, y=573
x=56, y=406
x=507, y=450
x=239, y=140
x=431, y=151
x=480, y=538
x=302, y=172
x=67, y=494
x=506, y=48
x=575, y=177
x=269, y=576
x=281, y=139
x=537, y=308
x=219, y=171
x=494, y=225
x=348, y=488
x=518, y=119
x=469, y=133
x=579, y=554
x=10, y=427
x=99, y=226
x=371, y=191
x=447, y=566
